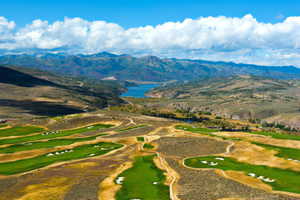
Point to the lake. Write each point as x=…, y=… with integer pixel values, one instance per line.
x=139, y=91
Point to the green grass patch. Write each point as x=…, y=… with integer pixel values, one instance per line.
x=275, y=135
x=140, y=139
x=284, y=180
x=45, y=144
x=148, y=146
x=131, y=127
x=89, y=150
x=204, y=131
x=195, y=129
x=143, y=181
x=20, y=130
x=44, y=136
x=3, y=125
x=283, y=152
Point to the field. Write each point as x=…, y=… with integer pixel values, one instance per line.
x=90, y=150
x=20, y=130
x=143, y=181
x=118, y=155
x=46, y=144
x=53, y=134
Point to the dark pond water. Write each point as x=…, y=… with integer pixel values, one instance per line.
x=139, y=91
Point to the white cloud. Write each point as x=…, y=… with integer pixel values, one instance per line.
x=218, y=38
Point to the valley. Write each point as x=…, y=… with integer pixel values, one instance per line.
x=120, y=155
x=212, y=138
x=149, y=100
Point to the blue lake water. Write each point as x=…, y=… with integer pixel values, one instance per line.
x=139, y=91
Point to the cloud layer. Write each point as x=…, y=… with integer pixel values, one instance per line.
x=215, y=38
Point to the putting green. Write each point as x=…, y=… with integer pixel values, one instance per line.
x=20, y=130
x=83, y=151
x=45, y=136
x=45, y=144
x=143, y=181
x=140, y=139
x=148, y=146
x=279, y=179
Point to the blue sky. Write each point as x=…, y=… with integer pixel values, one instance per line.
x=132, y=13
x=257, y=31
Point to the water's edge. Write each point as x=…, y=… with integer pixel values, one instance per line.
x=139, y=91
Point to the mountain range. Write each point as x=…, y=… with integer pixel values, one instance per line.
x=147, y=68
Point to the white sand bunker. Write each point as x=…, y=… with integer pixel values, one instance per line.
x=290, y=159
x=209, y=163
x=120, y=180
x=51, y=133
x=60, y=152
x=219, y=158
x=265, y=179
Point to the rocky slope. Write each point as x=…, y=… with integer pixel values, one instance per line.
x=238, y=97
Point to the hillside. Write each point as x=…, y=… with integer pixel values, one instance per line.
x=239, y=97
x=148, y=68
x=26, y=92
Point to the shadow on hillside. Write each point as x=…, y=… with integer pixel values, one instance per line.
x=11, y=76
x=48, y=109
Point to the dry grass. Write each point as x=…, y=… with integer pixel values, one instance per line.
x=182, y=147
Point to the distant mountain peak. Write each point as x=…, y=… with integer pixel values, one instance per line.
x=147, y=68
x=104, y=54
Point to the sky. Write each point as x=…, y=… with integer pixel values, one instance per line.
x=257, y=31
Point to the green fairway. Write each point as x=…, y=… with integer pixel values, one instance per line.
x=143, y=181
x=3, y=125
x=277, y=135
x=284, y=152
x=132, y=127
x=148, y=146
x=204, y=131
x=279, y=179
x=89, y=150
x=49, y=135
x=20, y=130
x=45, y=144
x=195, y=129
x=140, y=139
